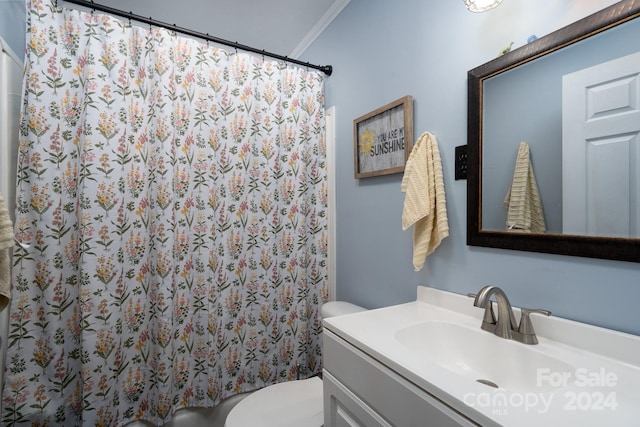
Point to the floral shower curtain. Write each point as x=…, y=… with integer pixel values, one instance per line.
x=172, y=214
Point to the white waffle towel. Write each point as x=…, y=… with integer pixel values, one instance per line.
x=425, y=205
x=6, y=242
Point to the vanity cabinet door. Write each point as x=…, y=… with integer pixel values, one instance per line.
x=361, y=391
x=342, y=408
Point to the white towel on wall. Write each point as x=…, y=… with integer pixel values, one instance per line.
x=6, y=242
x=523, y=203
x=425, y=204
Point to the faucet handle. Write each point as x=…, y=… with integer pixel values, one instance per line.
x=526, y=326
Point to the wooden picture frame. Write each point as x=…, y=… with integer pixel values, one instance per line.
x=383, y=139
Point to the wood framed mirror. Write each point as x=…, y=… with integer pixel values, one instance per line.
x=519, y=97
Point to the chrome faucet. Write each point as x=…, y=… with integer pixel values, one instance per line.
x=505, y=326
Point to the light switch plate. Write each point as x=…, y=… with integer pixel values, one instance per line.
x=461, y=162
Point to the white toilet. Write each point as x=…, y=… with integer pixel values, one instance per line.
x=288, y=404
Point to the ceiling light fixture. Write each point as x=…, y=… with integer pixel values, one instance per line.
x=481, y=5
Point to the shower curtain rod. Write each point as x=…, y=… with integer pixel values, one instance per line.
x=327, y=69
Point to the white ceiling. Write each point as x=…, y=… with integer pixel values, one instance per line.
x=284, y=27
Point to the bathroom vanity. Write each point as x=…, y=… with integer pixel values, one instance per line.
x=428, y=363
x=360, y=391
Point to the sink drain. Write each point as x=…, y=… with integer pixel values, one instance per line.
x=487, y=382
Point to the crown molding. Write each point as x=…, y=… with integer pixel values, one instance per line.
x=320, y=26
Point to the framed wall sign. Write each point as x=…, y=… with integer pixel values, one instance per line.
x=383, y=139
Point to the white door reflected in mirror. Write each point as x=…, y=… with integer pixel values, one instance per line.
x=601, y=149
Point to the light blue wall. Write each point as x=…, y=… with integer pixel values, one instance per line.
x=383, y=50
x=13, y=25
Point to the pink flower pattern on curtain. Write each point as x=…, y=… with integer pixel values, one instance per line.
x=172, y=206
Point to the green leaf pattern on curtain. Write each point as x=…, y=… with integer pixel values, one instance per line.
x=172, y=202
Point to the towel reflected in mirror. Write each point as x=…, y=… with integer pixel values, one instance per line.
x=523, y=203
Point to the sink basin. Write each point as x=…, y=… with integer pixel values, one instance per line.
x=481, y=356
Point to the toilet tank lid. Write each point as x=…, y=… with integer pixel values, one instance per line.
x=338, y=308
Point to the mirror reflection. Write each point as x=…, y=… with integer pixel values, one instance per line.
x=553, y=136
x=578, y=111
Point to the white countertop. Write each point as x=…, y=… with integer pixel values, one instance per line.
x=602, y=387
